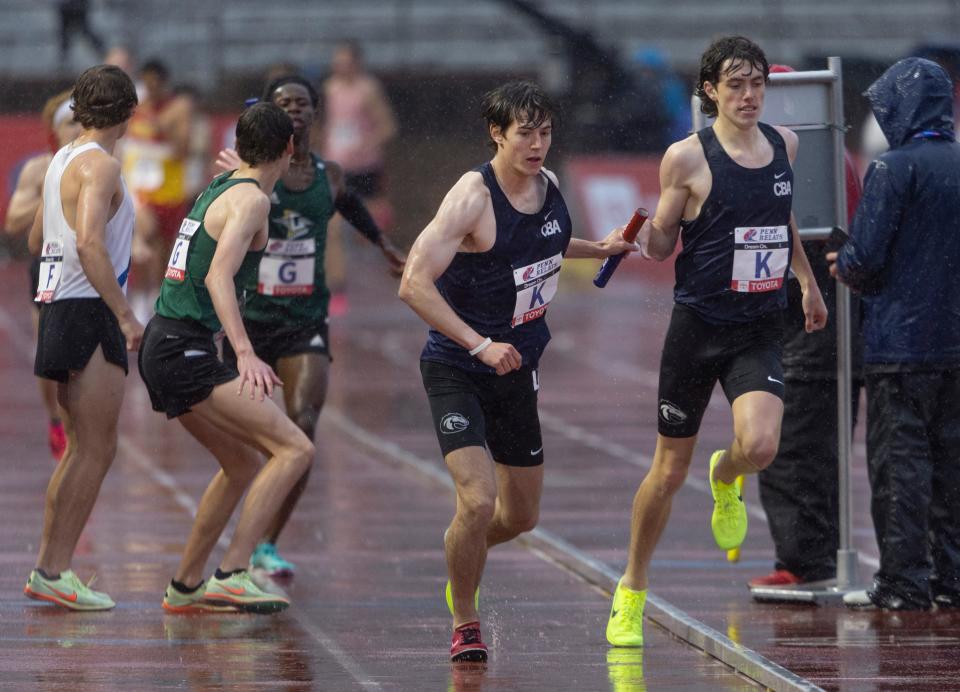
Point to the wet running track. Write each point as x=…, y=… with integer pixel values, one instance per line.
x=367, y=608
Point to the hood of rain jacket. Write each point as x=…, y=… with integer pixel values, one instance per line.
x=904, y=251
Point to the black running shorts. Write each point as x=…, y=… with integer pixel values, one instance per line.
x=271, y=342
x=70, y=332
x=498, y=412
x=178, y=362
x=696, y=354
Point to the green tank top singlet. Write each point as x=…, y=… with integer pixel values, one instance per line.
x=183, y=294
x=290, y=286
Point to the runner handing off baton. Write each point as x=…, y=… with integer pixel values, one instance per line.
x=482, y=274
x=629, y=235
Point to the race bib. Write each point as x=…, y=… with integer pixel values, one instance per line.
x=760, y=258
x=177, y=266
x=287, y=268
x=536, y=285
x=51, y=269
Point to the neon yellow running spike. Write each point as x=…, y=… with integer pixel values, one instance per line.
x=625, y=626
x=448, y=594
x=729, y=520
x=67, y=591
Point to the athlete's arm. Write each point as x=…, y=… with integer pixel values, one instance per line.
x=385, y=124
x=355, y=212
x=613, y=244
x=175, y=124
x=27, y=196
x=659, y=234
x=228, y=160
x=245, y=214
x=99, y=179
x=35, y=237
x=814, y=309
x=459, y=215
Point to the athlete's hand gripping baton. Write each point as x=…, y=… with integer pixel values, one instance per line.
x=613, y=261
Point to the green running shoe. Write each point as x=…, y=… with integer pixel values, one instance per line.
x=67, y=591
x=625, y=626
x=175, y=601
x=729, y=520
x=240, y=591
x=266, y=557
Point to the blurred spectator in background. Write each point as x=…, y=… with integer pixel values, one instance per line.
x=358, y=124
x=904, y=256
x=674, y=94
x=120, y=56
x=154, y=154
x=57, y=116
x=199, y=170
x=74, y=20
x=799, y=490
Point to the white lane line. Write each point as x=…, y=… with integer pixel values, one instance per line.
x=24, y=344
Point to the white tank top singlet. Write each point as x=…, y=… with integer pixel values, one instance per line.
x=61, y=275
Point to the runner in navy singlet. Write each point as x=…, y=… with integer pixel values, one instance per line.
x=727, y=192
x=482, y=275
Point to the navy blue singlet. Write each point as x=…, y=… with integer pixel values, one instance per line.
x=503, y=293
x=737, y=252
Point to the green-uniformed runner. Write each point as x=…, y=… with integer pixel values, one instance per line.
x=216, y=252
x=287, y=303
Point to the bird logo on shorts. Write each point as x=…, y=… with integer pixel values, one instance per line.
x=671, y=413
x=453, y=423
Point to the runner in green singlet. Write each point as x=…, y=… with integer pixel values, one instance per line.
x=216, y=253
x=287, y=304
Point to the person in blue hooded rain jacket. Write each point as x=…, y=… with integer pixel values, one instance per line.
x=904, y=257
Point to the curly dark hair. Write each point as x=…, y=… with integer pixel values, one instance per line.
x=523, y=101
x=739, y=50
x=263, y=131
x=103, y=96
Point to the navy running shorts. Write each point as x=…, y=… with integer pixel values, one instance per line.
x=743, y=357
x=498, y=412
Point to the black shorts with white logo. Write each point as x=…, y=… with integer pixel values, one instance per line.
x=271, y=342
x=179, y=364
x=479, y=409
x=70, y=332
x=696, y=354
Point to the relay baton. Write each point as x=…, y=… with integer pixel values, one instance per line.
x=613, y=261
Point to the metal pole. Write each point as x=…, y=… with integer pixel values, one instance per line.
x=846, y=554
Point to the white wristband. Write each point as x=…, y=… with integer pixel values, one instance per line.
x=482, y=345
